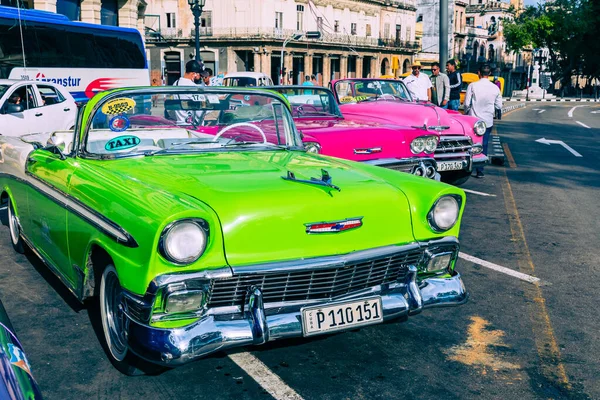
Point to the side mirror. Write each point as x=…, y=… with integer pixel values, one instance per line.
x=12, y=108
x=56, y=146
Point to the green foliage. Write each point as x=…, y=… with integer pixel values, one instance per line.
x=570, y=30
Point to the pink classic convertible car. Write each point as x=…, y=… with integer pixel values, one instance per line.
x=388, y=101
x=327, y=132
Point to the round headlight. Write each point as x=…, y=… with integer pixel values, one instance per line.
x=431, y=144
x=417, y=145
x=444, y=213
x=479, y=128
x=183, y=242
x=312, y=147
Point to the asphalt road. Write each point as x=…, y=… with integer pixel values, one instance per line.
x=514, y=339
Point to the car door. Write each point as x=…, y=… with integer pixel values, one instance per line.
x=17, y=123
x=47, y=208
x=57, y=112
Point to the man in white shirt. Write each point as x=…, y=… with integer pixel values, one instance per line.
x=194, y=72
x=482, y=100
x=418, y=84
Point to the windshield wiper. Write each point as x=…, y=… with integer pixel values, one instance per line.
x=324, y=181
x=175, y=145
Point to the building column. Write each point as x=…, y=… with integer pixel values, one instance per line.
x=90, y=11
x=308, y=63
x=359, y=66
x=343, y=66
x=375, y=66
x=45, y=5
x=326, y=69
x=288, y=64
x=257, y=61
x=265, y=63
x=231, y=58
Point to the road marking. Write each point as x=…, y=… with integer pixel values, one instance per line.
x=563, y=144
x=499, y=268
x=539, y=110
x=479, y=193
x=509, y=156
x=570, y=113
x=582, y=124
x=552, y=366
x=264, y=376
x=512, y=111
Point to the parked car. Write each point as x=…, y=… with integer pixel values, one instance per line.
x=32, y=106
x=191, y=241
x=247, y=79
x=326, y=131
x=460, y=148
x=16, y=380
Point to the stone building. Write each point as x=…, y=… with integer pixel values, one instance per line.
x=359, y=38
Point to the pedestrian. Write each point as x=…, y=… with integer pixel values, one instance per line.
x=207, y=78
x=194, y=72
x=154, y=96
x=455, y=79
x=307, y=81
x=499, y=84
x=313, y=79
x=440, y=86
x=481, y=100
x=418, y=84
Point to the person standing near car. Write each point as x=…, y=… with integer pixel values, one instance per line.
x=418, y=84
x=440, y=86
x=481, y=101
x=455, y=85
x=194, y=72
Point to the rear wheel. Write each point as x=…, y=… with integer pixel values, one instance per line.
x=15, y=230
x=456, y=178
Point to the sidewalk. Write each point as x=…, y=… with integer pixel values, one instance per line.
x=558, y=99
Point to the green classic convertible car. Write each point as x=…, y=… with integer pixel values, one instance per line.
x=202, y=224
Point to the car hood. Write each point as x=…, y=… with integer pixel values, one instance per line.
x=344, y=137
x=405, y=114
x=263, y=216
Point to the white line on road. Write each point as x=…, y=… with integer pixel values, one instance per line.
x=499, y=268
x=264, y=376
x=479, y=193
x=582, y=124
x=563, y=144
x=570, y=113
x=539, y=110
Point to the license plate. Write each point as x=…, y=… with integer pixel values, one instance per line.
x=449, y=165
x=341, y=316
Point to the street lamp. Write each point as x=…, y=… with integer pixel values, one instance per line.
x=197, y=6
x=295, y=36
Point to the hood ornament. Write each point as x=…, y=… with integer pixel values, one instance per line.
x=324, y=181
x=437, y=128
x=334, y=226
x=371, y=150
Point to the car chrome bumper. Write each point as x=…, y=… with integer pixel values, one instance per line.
x=178, y=346
x=420, y=166
x=479, y=160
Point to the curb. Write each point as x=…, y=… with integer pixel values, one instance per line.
x=496, y=151
x=555, y=100
x=513, y=107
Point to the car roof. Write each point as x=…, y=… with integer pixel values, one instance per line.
x=247, y=74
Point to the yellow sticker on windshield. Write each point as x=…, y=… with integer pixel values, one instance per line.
x=118, y=106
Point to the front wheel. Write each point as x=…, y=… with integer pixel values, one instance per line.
x=114, y=323
x=15, y=229
x=455, y=178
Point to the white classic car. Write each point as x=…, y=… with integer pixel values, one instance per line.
x=35, y=106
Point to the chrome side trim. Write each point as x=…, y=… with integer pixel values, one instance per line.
x=73, y=205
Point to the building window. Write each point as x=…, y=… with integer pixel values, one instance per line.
x=368, y=29
x=109, y=12
x=336, y=26
x=353, y=28
x=70, y=9
x=386, y=31
x=206, y=23
x=299, y=17
x=398, y=32
x=420, y=18
x=471, y=21
x=320, y=24
x=171, y=20
x=279, y=20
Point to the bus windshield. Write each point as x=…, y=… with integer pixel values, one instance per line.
x=85, y=58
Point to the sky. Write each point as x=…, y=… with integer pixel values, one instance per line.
x=531, y=2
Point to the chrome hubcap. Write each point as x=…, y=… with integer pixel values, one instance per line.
x=113, y=317
x=13, y=225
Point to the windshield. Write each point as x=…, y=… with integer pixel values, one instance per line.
x=369, y=90
x=3, y=89
x=244, y=81
x=310, y=102
x=189, y=120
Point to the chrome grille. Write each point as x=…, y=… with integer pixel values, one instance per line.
x=400, y=167
x=453, y=144
x=322, y=283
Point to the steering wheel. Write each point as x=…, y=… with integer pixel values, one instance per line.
x=302, y=111
x=262, y=133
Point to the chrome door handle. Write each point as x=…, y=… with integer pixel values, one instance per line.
x=67, y=109
x=39, y=114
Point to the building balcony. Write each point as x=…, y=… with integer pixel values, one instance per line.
x=477, y=31
x=275, y=35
